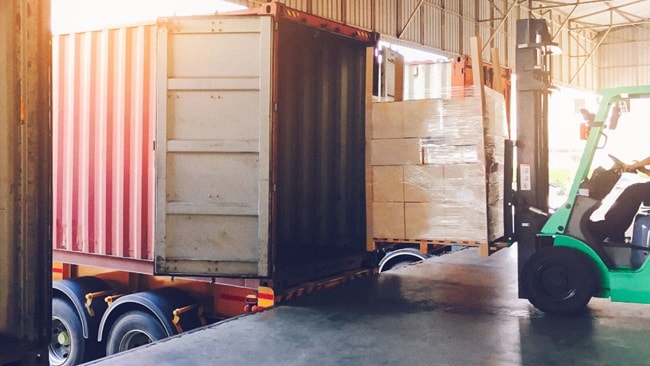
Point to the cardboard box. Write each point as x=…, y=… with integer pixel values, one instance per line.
x=451, y=157
x=424, y=183
x=388, y=183
x=395, y=152
x=424, y=221
x=465, y=172
x=388, y=220
x=422, y=117
x=387, y=120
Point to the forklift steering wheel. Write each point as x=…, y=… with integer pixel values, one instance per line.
x=618, y=163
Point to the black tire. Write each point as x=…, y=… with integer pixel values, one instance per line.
x=133, y=329
x=559, y=280
x=67, y=345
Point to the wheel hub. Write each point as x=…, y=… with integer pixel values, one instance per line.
x=63, y=338
x=556, y=283
x=60, y=342
x=134, y=339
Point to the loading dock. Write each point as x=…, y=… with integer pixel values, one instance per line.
x=456, y=309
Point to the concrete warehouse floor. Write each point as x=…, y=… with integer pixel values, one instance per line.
x=457, y=309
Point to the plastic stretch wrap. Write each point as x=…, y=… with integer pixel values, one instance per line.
x=429, y=79
x=437, y=168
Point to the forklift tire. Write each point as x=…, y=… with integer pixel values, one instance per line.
x=559, y=280
x=133, y=329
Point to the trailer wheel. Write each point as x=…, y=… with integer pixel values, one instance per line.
x=400, y=258
x=67, y=345
x=559, y=280
x=133, y=329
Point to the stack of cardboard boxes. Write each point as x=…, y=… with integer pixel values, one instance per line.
x=437, y=168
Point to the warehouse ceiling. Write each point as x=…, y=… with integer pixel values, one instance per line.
x=598, y=15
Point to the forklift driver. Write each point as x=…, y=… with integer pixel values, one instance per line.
x=620, y=215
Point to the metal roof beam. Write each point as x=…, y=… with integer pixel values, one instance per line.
x=559, y=4
x=601, y=26
x=590, y=55
x=496, y=30
x=609, y=9
x=565, y=22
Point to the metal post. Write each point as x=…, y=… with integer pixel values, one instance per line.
x=533, y=87
x=25, y=182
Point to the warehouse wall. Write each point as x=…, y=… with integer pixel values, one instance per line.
x=446, y=27
x=624, y=57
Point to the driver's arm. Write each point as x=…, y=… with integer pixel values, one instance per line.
x=640, y=166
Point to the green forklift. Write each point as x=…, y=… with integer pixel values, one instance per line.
x=562, y=263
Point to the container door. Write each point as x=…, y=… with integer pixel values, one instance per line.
x=212, y=146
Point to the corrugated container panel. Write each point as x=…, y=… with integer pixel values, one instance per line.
x=103, y=128
x=330, y=9
x=320, y=193
x=359, y=13
x=385, y=12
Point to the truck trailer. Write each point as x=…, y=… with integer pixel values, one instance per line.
x=203, y=166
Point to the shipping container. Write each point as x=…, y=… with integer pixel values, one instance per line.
x=197, y=159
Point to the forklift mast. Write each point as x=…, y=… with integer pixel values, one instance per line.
x=533, y=86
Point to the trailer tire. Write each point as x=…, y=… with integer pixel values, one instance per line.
x=67, y=345
x=559, y=280
x=133, y=329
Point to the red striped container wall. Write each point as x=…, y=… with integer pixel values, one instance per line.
x=103, y=135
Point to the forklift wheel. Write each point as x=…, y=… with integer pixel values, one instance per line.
x=559, y=280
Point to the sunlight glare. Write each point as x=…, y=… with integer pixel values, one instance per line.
x=81, y=15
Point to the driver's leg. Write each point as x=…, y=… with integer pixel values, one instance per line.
x=620, y=216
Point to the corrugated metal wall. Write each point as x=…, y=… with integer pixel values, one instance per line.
x=104, y=100
x=624, y=58
x=446, y=26
x=319, y=159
